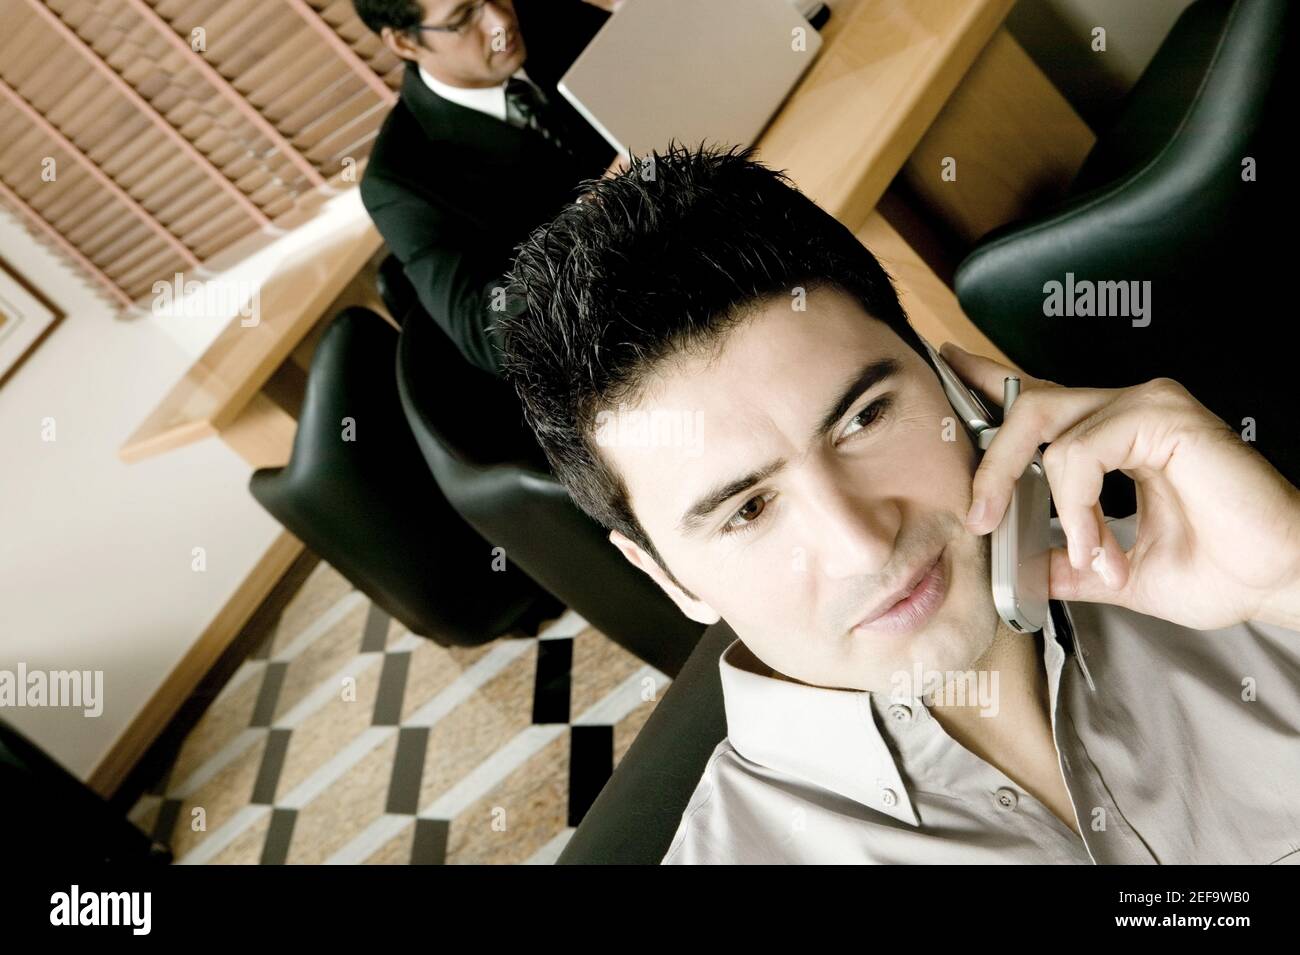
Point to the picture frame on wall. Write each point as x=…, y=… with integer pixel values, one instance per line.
x=26, y=318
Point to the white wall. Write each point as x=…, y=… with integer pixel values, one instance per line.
x=95, y=555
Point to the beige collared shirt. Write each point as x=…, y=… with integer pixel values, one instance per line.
x=1176, y=746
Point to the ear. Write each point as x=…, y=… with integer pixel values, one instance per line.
x=400, y=44
x=697, y=610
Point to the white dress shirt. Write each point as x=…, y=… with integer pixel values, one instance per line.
x=1165, y=759
x=487, y=99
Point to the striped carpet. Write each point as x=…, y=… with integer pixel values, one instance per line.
x=347, y=739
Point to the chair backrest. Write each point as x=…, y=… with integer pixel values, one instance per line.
x=367, y=504
x=1177, y=204
x=1162, y=199
x=470, y=427
x=634, y=818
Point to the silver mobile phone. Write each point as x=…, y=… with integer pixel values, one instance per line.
x=1021, y=543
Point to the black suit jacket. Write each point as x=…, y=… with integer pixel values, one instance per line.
x=453, y=191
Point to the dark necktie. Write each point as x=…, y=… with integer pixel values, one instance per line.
x=527, y=109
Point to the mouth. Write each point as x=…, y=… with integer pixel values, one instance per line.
x=911, y=607
x=512, y=45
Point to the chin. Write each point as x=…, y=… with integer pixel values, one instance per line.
x=955, y=642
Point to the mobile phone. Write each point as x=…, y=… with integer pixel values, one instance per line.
x=1021, y=544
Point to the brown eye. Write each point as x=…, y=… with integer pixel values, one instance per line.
x=867, y=417
x=747, y=516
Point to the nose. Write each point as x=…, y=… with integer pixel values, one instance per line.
x=850, y=532
x=495, y=16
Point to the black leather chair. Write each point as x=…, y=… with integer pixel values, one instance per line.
x=52, y=817
x=1161, y=198
x=637, y=812
x=371, y=509
x=470, y=427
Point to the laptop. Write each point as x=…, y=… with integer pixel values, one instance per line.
x=692, y=70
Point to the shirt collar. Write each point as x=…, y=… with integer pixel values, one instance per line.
x=490, y=99
x=830, y=737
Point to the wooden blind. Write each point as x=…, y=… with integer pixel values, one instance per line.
x=140, y=138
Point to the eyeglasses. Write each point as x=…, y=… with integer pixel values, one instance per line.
x=473, y=13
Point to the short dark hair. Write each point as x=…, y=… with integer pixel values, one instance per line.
x=659, y=261
x=401, y=15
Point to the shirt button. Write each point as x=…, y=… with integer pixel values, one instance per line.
x=900, y=713
x=1006, y=798
x=888, y=797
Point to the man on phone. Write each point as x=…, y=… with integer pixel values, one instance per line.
x=724, y=377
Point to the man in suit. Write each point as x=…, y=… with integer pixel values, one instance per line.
x=480, y=149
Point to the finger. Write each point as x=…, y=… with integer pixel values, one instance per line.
x=986, y=375
x=1113, y=565
x=1075, y=476
x=1037, y=417
x=1104, y=580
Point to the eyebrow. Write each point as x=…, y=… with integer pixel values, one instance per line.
x=862, y=381
x=458, y=8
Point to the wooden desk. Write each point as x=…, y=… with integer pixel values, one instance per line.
x=231, y=390
x=899, y=87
